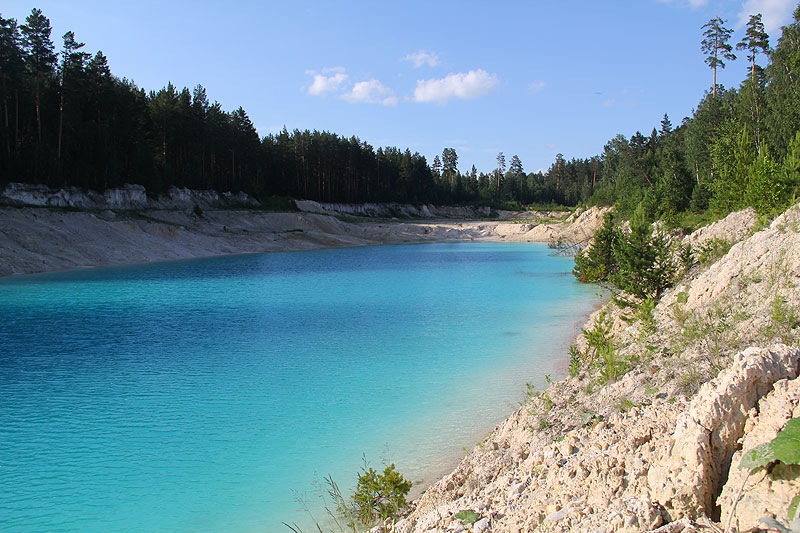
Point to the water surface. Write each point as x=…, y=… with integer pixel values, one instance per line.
x=208, y=395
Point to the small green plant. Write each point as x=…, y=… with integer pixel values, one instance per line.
x=602, y=353
x=690, y=381
x=548, y=379
x=468, y=517
x=714, y=330
x=614, y=366
x=679, y=312
x=543, y=423
x=785, y=447
x=379, y=496
x=547, y=402
x=686, y=256
x=530, y=393
x=601, y=348
x=575, y=360
x=645, y=316
x=625, y=405
x=198, y=211
x=713, y=249
x=784, y=319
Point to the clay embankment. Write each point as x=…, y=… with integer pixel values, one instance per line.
x=709, y=374
x=43, y=230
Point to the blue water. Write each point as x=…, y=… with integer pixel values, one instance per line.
x=211, y=395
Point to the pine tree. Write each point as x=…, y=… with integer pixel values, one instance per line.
x=783, y=89
x=73, y=65
x=644, y=262
x=11, y=71
x=597, y=263
x=716, y=47
x=40, y=58
x=755, y=41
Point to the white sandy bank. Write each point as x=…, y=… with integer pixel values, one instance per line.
x=62, y=230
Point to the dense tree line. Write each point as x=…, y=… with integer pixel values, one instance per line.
x=66, y=120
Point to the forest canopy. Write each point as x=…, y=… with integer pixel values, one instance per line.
x=67, y=120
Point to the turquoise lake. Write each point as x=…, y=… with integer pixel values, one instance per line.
x=209, y=395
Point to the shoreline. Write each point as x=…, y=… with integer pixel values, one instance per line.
x=47, y=239
x=649, y=450
x=559, y=371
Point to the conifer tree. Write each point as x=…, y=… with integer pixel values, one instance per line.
x=11, y=71
x=644, y=261
x=40, y=57
x=783, y=89
x=716, y=47
x=755, y=41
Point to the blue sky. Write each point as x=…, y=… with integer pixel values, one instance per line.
x=529, y=78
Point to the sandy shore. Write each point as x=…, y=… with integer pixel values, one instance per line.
x=44, y=239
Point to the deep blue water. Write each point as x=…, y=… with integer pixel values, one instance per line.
x=208, y=395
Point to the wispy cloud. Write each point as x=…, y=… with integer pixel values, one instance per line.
x=774, y=14
x=328, y=81
x=370, y=92
x=460, y=86
x=536, y=86
x=422, y=58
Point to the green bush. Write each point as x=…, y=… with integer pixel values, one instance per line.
x=713, y=249
x=598, y=263
x=575, y=360
x=645, y=266
x=639, y=263
x=380, y=495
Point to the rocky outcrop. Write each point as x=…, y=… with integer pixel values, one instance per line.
x=734, y=228
x=748, y=496
x=655, y=449
x=394, y=210
x=687, y=480
x=127, y=197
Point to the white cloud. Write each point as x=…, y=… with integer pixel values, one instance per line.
x=371, y=92
x=330, y=80
x=774, y=14
x=537, y=86
x=462, y=86
x=422, y=58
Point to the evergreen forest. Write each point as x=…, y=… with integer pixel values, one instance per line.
x=67, y=120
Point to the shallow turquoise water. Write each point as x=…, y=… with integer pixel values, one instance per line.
x=209, y=395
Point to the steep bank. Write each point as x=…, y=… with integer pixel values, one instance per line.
x=43, y=230
x=708, y=374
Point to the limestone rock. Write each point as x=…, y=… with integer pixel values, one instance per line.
x=688, y=479
x=766, y=490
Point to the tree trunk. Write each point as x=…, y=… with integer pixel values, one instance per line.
x=60, y=124
x=715, y=81
x=38, y=118
x=16, y=121
x=8, y=131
